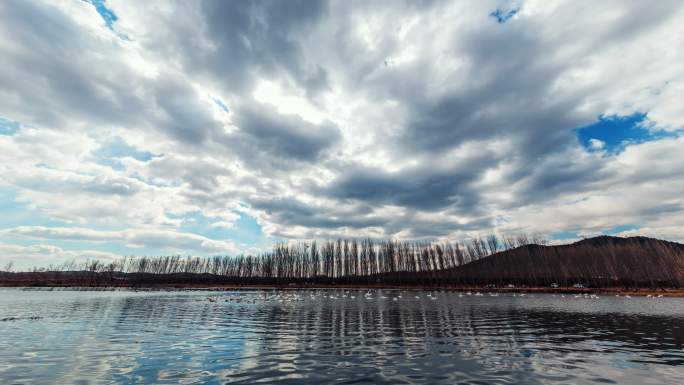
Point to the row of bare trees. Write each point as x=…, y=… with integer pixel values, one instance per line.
x=344, y=261
x=526, y=261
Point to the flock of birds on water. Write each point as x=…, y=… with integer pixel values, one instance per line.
x=282, y=297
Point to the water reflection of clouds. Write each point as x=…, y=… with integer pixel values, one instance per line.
x=529, y=339
x=181, y=337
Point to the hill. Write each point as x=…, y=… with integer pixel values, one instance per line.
x=600, y=261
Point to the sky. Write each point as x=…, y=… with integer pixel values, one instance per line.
x=223, y=127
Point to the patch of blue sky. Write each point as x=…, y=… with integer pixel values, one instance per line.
x=107, y=14
x=246, y=233
x=8, y=127
x=14, y=213
x=615, y=230
x=619, y=229
x=562, y=235
x=221, y=105
x=613, y=133
x=503, y=16
x=111, y=153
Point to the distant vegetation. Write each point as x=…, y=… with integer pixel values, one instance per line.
x=517, y=261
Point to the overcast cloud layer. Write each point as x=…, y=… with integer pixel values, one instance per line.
x=220, y=127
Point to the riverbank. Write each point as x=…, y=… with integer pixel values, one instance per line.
x=621, y=291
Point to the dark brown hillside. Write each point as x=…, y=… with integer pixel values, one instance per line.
x=600, y=261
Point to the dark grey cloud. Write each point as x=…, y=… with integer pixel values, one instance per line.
x=259, y=37
x=184, y=114
x=420, y=188
x=200, y=175
x=553, y=176
x=264, y=135
x=507, y=76
x=51, y=63
x=436, y=119
x=328, y=221
x=292, y=211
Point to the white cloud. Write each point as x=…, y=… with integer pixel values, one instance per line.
x=415, y=120
x=43, y=255
x=596, y=144
x=224, y=224
x=164, y=240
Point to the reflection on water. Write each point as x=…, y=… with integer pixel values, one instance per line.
x=327, y=336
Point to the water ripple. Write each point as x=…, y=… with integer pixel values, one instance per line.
x=335, y=336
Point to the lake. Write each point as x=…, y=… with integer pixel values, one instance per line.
x=336, y=336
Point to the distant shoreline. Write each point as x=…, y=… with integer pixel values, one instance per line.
x=640, y=292
x=633, y=265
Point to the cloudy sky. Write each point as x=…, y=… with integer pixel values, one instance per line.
x=216, y=127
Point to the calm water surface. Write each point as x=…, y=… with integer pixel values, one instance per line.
x=325, y=336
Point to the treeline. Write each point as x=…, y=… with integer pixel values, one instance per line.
x=491, y=260
x=344, y=261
